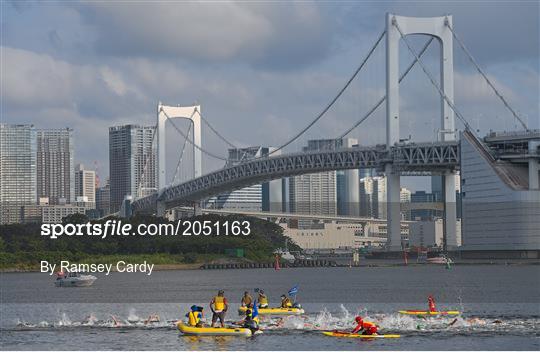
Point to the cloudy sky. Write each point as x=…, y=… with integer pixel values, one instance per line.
x=261, y=71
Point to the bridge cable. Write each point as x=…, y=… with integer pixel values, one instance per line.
x=181, y=155
x=488, y=81
x=190, y=141
x=376, y=106
x=430, y=76
x=216, y=132
x=341, y=91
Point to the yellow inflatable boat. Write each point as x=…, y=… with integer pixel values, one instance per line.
x=425, y=312
x=274, y=311
x=208, y=331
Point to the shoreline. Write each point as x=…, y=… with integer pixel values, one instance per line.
x=371, y=263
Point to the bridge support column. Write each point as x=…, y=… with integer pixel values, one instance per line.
x=450, y=223
x=393, y=214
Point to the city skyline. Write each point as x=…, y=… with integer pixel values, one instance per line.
x=81, y=50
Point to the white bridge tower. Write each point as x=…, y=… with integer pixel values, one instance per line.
x=192, y=113
x=436, y=27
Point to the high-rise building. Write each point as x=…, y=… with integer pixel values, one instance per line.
x=55, y=168
x=379, y=197
x=366, y=197
x=405, y=199
x=85, y=186
x=17, y=170
x=132, y=163
x=103, y=199
x=425, y=213
x=262, y=197
x=329, y=192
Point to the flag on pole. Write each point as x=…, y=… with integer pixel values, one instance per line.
x=293, y=291
x=255, y=311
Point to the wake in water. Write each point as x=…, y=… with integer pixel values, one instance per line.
x=323, y=320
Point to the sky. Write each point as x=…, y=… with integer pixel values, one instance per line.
x=261, y=71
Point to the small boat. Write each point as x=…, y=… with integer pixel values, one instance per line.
x=360, y=336
x=74, y=279
x=426, y=312
x=209, y=331
x=274, y=311
x=439, y=260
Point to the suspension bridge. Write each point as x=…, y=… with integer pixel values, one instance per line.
x=394, y=159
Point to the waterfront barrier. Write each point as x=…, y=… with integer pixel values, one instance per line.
x=299, y=263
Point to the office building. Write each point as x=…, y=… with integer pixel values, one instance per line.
x=53, y=214
x=373, y=197
x=103, y=199
x=132, y=163
x=430, y=234
x=501, y=196
x=325, y=192
x=55, y=168
x=262, y=197
x=85, y=187
x=405, y=200
x=17, y=170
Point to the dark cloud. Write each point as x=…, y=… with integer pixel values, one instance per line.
x=277, y=36
x=261, y=71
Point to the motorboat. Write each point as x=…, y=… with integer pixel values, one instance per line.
x=74, y=279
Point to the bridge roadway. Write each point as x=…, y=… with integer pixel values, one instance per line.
x=434, y=157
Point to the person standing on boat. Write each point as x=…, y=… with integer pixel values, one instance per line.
x=263, y=300
x=219, y=306
x=364, y=327
x=247, y=300
x=431, y=303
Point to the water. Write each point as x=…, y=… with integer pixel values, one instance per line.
x=500, y=307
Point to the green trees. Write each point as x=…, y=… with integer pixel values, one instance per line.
x=23, y=245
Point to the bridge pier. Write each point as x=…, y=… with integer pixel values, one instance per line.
x=393, y=213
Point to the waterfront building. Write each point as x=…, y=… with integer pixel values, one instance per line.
x=132, y=163
x=53, y=214
x=501, y=196
x=17, y=170
x=318, y=193
x=85, y=186
x=103, y=199
x=55, y=167
x=262, y=197
x=430, y=234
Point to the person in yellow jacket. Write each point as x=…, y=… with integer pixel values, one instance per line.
x=194, y=316
x=286, y=302
x=247, y=300
x=219, y=306
x=263, y=300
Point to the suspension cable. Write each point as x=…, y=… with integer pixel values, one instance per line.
x=181, y=155
x=325, y=110
x=376, y=106
x=215, y=131
x=430, y=76
x=479, y=69
x=189, y=140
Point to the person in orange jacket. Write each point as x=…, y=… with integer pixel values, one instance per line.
x=431, y=303
x=364, y=327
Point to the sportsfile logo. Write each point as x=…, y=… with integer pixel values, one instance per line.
x=118, y=228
